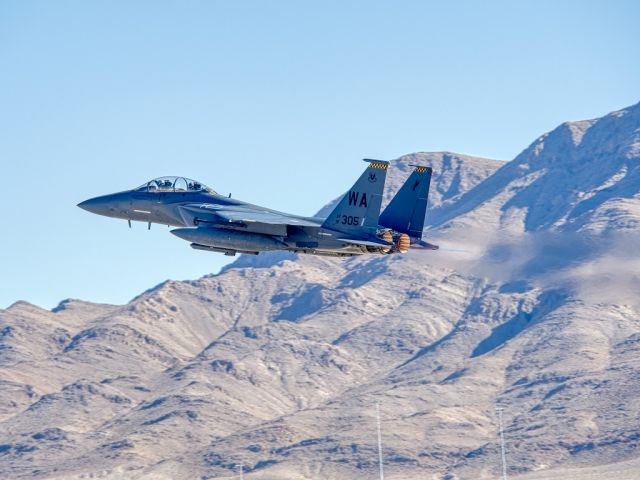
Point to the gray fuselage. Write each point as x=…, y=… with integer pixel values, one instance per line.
x=166, y=208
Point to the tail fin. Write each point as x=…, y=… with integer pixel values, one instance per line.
x=358, y=210
x=405, y=213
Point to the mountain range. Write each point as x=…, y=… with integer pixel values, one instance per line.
x=273, y=368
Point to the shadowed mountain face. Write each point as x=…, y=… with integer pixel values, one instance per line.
x=581, y=177
x=277, y=363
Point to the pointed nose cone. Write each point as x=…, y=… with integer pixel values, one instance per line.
x=97, y=205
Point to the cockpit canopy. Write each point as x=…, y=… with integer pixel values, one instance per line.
x=174, y=184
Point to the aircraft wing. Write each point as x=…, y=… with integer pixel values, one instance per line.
x=242, y=218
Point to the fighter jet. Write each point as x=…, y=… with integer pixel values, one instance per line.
x=217, y=223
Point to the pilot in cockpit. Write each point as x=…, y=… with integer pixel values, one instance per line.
x=174, y=184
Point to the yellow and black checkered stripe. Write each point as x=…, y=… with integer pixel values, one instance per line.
x=421, y=169
x=380, y=166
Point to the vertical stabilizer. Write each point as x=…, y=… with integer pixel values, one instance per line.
x=357, y=212
x=406, y=211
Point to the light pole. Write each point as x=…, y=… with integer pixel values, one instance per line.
x=379, y=440
x=502, y=447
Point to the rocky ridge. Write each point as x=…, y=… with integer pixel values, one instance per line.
x=277, y=363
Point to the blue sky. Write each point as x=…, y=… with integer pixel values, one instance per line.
x=276, y=102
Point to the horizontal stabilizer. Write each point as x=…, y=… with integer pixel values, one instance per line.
x=370, y=242
x=425, y=245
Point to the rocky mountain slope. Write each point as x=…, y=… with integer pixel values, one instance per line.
x=580, y=177
x=278, y=362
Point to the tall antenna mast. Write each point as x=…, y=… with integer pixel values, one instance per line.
x=379, y=440
x=502, y=448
